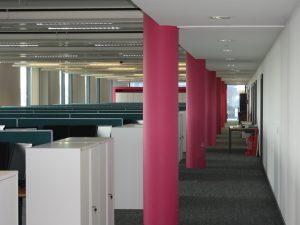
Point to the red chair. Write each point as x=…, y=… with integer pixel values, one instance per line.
x=252, y=144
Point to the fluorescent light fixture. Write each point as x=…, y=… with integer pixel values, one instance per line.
x=122, y=68
x=230, y=65
x=229, y=59
x=182, y=64
x=220, y=17
x=125, y=44
x=131, y=55
x=104, y=64
x=227, y=50
x=19, y=45
x=73, y=23
x=138, y=75
x=182, y=68
x=43, y=64
x=55, y=56
x=83, y=28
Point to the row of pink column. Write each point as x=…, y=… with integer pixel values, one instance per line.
x=206, y=110
x=206, y=114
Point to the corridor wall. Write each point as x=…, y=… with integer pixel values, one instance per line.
x=281, y=123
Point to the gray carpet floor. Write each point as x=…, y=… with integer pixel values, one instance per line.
x=232, y=190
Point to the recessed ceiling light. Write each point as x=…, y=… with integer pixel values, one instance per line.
x=225, y=40
x=227, y=50
x=220, y=17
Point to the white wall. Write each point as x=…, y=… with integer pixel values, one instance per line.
x=281, y=69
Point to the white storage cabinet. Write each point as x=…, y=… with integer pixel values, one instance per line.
x=66, y=184
x=109, y=166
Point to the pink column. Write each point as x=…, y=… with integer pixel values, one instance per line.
x=195, y=113
x=161, y=198
x=207, y=108
x=225, y=102
x=213, y=108
x=222, y=114
x=218, y=99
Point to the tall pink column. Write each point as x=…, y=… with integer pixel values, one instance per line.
x=161, y=198
x=222, y=113
x=213, y=108
x=218, y=99
x=195, y=113
x=225, y=87
x=207, y=108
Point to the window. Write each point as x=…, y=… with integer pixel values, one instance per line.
x=67, y=88
x=233, y=100
x=23, y=85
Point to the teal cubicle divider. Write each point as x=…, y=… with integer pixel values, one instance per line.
x=9, y=122
x=127, y=116
x=40, y=122
x=35, y=137
x=34, y=115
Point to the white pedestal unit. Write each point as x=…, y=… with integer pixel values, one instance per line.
x=66, y=184
x=8, y=197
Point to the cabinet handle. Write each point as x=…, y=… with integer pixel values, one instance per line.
x=95, y=209
x=111, y=196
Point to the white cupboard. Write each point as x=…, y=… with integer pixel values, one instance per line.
x=9, y=197
x=128, y=166
x=66, y=184
x=109, y=168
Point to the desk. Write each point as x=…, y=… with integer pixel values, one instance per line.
x=238, y=128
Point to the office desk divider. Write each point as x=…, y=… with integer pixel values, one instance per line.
x=127, y=116
x=34, y=115
x=9, y=122
x=40, y=122
x=35, y=137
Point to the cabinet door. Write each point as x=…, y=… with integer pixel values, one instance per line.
x=8, y=201
x=110, y=184
x=98, y=192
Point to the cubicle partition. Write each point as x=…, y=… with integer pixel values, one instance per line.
x=34, y=137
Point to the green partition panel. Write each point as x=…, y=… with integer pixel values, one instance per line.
x=127, y=116
x=9, y=122
x=35, y=137
x=34, y=115
x=40, y=122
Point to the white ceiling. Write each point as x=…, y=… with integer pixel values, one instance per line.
x=253, y=27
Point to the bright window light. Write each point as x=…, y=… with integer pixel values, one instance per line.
x=67, y=87
x=23, y=85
